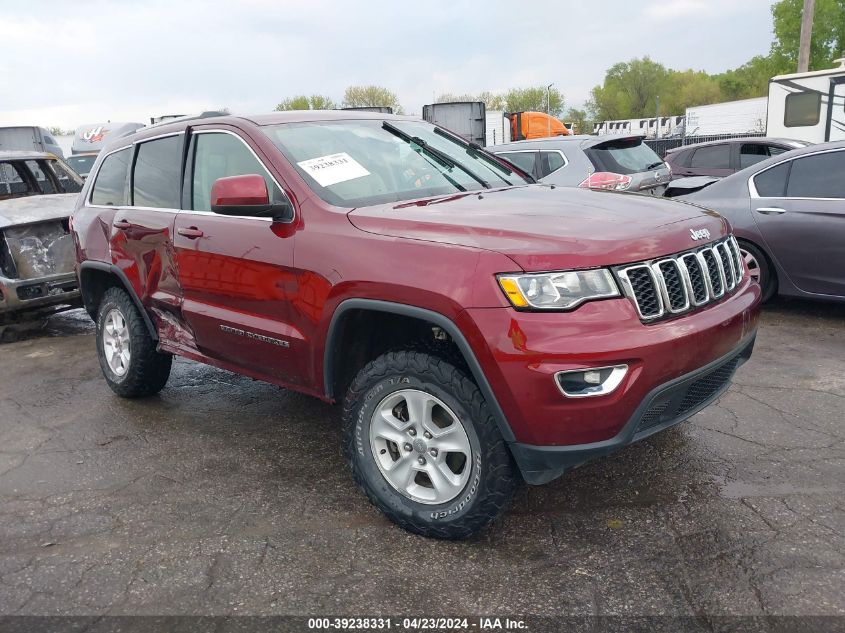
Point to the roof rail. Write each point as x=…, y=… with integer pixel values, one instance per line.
x=191, y=117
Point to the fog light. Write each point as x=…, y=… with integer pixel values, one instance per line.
x=593, y=377
x=596, y=381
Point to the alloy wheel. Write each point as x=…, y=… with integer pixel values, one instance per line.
x=116, y=344
x=420, y=446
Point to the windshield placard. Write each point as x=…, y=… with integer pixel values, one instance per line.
x=334, y=168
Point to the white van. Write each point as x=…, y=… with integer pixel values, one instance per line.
x=29, y=138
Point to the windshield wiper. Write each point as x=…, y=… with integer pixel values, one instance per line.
x=475, y=150
x=653, y=165
x=437, y=154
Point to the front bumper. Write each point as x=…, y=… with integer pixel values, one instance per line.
x=521, y=352
x=665, y=406
x=18, y=296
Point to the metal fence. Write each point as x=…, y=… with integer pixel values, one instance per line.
x=663, y=145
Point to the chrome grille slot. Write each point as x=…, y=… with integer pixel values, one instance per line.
x=695, y=274
x=714, y=274
x=737, y=257
x=642, y=285
x=680, y=283
x=726, y=259
x=672, y=285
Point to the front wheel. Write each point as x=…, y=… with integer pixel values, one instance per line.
x=424, y=447
x=759, y=268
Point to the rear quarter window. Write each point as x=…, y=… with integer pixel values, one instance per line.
x=772, y=182
x=110, y=187
x=13, y=183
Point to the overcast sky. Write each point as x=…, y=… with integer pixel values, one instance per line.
x=67, y=63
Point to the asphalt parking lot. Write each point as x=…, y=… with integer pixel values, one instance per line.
x=227, y=496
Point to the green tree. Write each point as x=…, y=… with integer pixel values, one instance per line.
x=57, y=131
x=630, y=90
x=534, y=100
x=303, y=102
x=578, y=120
x=371, y=96
x=491, y=101
x=828, y=42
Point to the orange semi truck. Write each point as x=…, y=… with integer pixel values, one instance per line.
x=530, y=125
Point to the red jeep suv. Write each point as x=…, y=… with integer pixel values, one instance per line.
x=479, y=328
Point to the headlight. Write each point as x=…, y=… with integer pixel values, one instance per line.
x=558, y=290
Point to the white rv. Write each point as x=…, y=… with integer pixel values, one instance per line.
x=808, y=106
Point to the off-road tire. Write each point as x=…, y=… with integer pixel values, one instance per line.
x=148, y=369
x=493, y=477
x=768, y=279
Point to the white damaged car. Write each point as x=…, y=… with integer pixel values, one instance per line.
x=37, y=260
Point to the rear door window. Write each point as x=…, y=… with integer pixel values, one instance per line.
x=712, y=157
x=753, y=153
x=110, y=187
x=39, y=172
x=67, y=182
x=550, y=162
x=812, y=176
x=524, y=160
x=157, y=173
x=625, y=156
x=772, y=182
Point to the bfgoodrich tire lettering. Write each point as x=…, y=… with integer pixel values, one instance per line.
x=145, y=370
x=484, y=493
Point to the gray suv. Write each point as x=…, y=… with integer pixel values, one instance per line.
x=609, y=161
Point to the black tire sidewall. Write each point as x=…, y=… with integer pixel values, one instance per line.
x=365, y=461
x=767, y=280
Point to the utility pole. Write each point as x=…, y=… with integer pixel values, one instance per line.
x=657, y=121
x=806, y=35
x=549, y=105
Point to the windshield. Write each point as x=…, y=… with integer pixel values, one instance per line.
x=625, y=156
x=357, y=163
x=81, y=164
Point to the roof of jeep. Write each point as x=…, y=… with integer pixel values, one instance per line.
x=272, y=118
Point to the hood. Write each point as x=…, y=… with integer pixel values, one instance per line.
x=31, y=209
x=545, y=228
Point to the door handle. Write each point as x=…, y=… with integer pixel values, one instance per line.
x=771, y=210
x=190, y=232
x=122, y=225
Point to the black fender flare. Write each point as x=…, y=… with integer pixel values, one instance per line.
x=127, y=286
x=426, y=315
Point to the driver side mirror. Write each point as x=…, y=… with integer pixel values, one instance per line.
x=247, y=195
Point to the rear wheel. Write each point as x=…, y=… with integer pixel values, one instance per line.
x=424, y=447
x=128, y=358
x=759, y=268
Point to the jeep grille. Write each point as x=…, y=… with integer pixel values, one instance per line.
x=680, y=283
